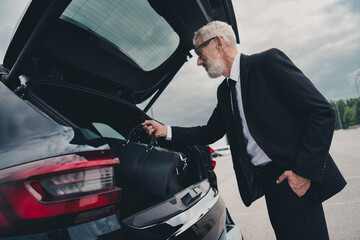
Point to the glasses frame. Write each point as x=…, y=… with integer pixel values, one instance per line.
x=202, y=45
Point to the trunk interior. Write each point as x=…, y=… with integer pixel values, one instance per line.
x=80, y=107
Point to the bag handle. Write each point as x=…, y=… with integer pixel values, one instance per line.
x=153, y=142
x=138, y=128
x=133, y=131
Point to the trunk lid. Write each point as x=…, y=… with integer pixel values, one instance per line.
x=127, y=48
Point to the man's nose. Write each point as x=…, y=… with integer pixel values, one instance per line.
x=199, y=61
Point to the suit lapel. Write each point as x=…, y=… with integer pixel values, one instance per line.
x=248, y=187
x=240, y=158
x=244, y=78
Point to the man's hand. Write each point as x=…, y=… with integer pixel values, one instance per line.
x=151, y=126
x=297, y=183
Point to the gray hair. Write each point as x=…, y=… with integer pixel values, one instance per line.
x=216, y=28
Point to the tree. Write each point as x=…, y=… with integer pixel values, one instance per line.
x=348, y=112
x=349, y=116
x=354, y=104
x=358, y=112
x=337, y=122
x=341, y=105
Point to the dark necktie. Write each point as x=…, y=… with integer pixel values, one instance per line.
x=245, y=173
x=236, y=114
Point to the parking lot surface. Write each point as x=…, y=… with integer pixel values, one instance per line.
x=342, y=211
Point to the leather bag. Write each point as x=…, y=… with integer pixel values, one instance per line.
x=156, y=171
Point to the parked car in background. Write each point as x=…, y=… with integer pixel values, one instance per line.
x=222, y=151
x=216, y=154
x=71, y=78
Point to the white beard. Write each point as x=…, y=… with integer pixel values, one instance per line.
x=215, y=68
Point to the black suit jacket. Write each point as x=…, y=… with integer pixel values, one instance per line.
x=286, y=115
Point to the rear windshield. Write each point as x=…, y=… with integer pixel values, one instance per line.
x=131, y=25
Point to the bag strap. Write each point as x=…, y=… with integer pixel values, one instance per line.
x=136, y=130
x=153, y=142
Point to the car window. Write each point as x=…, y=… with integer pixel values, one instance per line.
x=146, y=38
x=107, y=131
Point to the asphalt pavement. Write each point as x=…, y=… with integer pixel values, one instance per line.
x=342, y=211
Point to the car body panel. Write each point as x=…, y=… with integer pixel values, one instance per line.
x=209, y=225
x=97, y=229
x=28, y=134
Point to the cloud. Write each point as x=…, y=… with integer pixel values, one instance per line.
x=321, y=37
x=353, y=80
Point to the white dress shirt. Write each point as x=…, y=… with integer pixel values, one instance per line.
x=258, y=156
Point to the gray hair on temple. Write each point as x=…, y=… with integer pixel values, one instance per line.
x=216, y=28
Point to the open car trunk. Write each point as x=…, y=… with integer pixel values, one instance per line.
x=114, y=119
x=84, y=64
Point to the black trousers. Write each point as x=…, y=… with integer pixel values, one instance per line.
x=292, y=217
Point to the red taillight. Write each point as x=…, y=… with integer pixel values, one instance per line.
x=213, y=163
x=57, y=192
x=211, y=150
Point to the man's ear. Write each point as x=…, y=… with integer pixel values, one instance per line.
x=218, y=41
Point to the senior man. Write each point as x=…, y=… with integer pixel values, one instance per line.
x=279, y=127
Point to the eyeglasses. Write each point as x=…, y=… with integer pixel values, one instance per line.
x=202, y=45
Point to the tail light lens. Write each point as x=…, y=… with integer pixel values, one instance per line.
x=78, y=182
x=211, y=150
x=213, y=162
x=57, y=192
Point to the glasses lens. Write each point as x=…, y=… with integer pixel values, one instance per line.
x=202, y=45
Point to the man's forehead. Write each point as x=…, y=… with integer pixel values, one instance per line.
x=199, y=41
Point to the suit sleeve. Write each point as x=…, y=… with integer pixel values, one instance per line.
x=201, y=135
x=301, y=96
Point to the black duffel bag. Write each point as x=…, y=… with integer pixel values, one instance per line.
x=156, y=171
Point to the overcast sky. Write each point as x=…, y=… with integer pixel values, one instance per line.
x=322, y=37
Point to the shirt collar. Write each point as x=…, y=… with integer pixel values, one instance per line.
x=235, y=68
